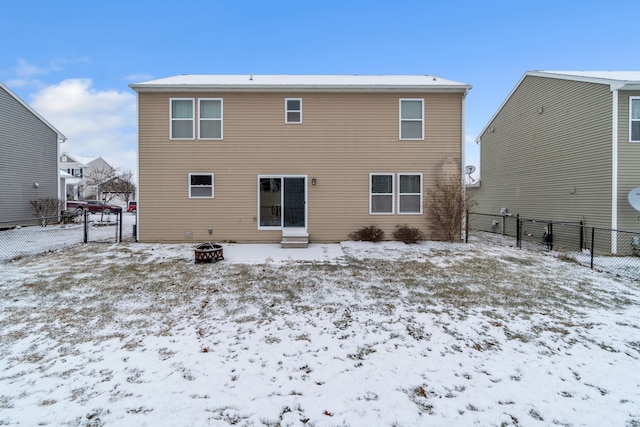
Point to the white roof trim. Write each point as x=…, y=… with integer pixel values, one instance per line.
x=300, y=83
x=61, y=136
x=626, y=80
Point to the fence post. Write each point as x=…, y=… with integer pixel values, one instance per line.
x=581, y=235
x=593, y=233
x=119, y=237
x=86, y=226
x=550, y=237
x=466, y=226
x=518, y=229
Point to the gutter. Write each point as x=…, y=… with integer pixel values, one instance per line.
x=614, y=171
x=298, y=88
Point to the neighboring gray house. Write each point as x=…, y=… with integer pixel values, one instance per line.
x=565, y=145
x=29, y=147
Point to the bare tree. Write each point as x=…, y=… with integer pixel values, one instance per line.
x=98, y=177
x=447, y=202
x=121, y=185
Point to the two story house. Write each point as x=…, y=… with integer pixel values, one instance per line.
x=283, y=158
x=29, y=161
x=84, y=173
x=565, y=145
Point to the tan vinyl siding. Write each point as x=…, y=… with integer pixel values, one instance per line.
x=628, y=166
x=547, y=153
x=343, y=138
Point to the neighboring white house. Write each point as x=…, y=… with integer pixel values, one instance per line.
x=82, y=170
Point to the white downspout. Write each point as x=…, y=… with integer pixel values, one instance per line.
x=463, y=159
x=614, y=173
x=464, y=143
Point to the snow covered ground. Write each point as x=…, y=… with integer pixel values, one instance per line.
x=354, y=334
x=27, y=241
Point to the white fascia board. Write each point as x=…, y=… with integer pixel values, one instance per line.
x=300, y=88
x=613, y=83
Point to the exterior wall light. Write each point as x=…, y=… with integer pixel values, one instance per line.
x=314, y=181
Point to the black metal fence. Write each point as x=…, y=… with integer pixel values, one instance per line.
x=31, y=236
x=605, y=249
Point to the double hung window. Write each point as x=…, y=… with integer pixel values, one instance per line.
x=182, y=122
x=412, y=119
x=210, y=118
x=634, y=119
x=293, y=110
x=381, y=193
x=409, y=193
x=201, y=185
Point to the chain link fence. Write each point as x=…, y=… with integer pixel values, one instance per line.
x=32, y=236
x=604, y=249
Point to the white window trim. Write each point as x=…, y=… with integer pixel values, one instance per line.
x=393, y=196
x=213, y=186
x=411, y=194
x=171, y=119
x=286, y=111
x=400, y=119
x=221, y=119
x=631, y=120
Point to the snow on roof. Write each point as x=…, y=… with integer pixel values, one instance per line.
x=80, y=159
x=300, y=82
x=83, y=159
x=616, y=79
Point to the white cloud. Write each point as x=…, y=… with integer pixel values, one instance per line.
x=25, y=70
x=139, y=77
x=26, y=73
x=95, y=122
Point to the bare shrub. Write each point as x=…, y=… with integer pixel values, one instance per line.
x=371, y=233
x=447, y=201
x=47, y=207
x=407, y=234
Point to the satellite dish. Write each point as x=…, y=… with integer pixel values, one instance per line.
x=634, y=198
x=469, y=169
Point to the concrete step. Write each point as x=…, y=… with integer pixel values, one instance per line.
x=294, y=239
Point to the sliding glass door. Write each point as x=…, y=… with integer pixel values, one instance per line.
x=282, y=201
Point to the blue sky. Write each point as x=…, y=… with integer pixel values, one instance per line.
x=72, y=61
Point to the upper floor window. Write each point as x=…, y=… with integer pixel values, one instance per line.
x=201, y=185
x=293, y=110
x=411, y=119
x=634, y=119
x=210, y=118
x=182, y=123
x=77, y=173
x=410, y=193
x=381, y=193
